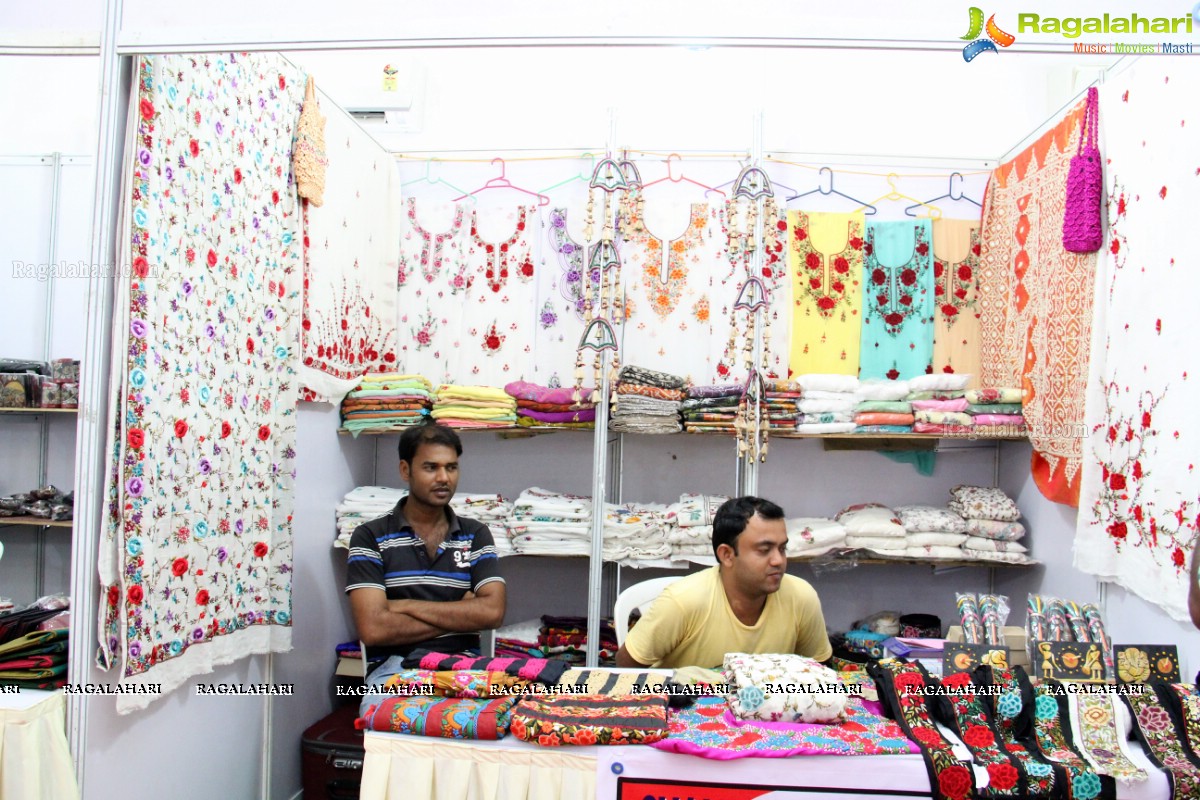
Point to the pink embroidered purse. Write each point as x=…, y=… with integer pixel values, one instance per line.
x=1083, y=230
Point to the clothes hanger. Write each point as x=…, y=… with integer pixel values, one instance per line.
x=830, y=190
x=582, y=176
x=949, y=194
x=426, y=178
x=746, y=167
x=671, y=177
x=504, y=183
x=894, y=195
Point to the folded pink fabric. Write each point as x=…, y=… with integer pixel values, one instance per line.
x=941, y=405
x=523, y=390
x=999, y=419
x=583, y=415
x=930, y=427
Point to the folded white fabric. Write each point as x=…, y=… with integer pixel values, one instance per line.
x=822, y=382
x=882, y=390
x=933, y=551
x=806, y=535
x=826, y=427
x=877, y=543
x=697, y=509
x=983, y=502
x=780, y=687
x=993, y=545
x=996, y=529
x=375, y=494
x=934, y=539
x=695, y=534
x=1003, y=558
x=819, y=405
x=824, y=418
x=938, y=382
x=870, y=519
x=819, y=395
x=930, y=518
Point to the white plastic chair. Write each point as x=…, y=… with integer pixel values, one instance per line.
x=639, y=596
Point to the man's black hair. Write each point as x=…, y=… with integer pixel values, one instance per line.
x=429, y=433
x=733, y=516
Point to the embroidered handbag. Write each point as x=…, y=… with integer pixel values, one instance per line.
x=308, y=156
x=1083, y=231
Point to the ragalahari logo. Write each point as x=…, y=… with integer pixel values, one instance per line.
x=995, y=36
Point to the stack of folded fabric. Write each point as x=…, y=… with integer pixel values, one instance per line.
x=711, y=408
x=474, y=407
x=997, y=412
x=635, y=532
x=690, y=530
x=565, y=639
x=883, y=407
x=34, y=645
x=519, y=640
x=992, y=524
x=809, y=537
x=386, y=401
x=781, y=403
x=647, y=401
x=827, y=403
x=932, y=532
x=551, y=524
x=938, y=405
x=490, y=509
x=874, y=527
x=363, y=505
x=541, y=406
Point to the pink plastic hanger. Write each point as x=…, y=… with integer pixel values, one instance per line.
x=673, y=179
x=504, y=183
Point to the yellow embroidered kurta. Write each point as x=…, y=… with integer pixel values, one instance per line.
x=956, y=285
x=825, y=254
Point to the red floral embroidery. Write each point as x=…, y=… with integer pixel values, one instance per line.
x=493, y=340
x=958, y=282
x=888, y=304
x=818, y=268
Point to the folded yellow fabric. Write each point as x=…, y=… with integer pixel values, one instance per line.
x=474, y=393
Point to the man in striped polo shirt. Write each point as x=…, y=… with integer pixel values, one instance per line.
x=423, y=577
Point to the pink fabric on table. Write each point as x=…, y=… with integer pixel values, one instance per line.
x=959, y=404
x=523, y=390
x=999, y=419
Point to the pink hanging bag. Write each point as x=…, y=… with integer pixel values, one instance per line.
x=1083, y=228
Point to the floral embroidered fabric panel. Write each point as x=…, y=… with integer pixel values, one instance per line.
x=351, y=252
x=431, y=282
x=591, y=719
x=1051, y=728
x=973, y=724
x=196, y=560
x=1099, y=739
x=905, y=689
x=956, y=249
x=1138, y=502
x=668, y=280
x=898, y=301
x=498, y=326
x=1013, y=721
x=825, y=260
x=559, y=303
x=1189, y=701
x=1162, y=741
x=754, y=677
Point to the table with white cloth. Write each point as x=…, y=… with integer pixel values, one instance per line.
x=404, y=767
x=35, y=760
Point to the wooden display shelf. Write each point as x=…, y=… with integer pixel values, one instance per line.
x=39, y=410
x=38, y=522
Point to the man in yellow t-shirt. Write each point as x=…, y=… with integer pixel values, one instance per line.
x=746, y=604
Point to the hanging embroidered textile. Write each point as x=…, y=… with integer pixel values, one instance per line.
x=898, y=301
x=668, y=323
x=499, y=321
x=825, y=260
x=969, y=717
x=1163, y=742
x=431, y=285
x=1035, y=305
x=196, y=559
x=956, y=249
x=351, y=254
x=1011, y=705
x=1139, y=506
x=1099, y=736
x=560, y=302
x=1186, y=700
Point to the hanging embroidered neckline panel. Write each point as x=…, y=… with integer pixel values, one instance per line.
x=498, y=256
x=432, y=255
x=956, y=282
x=884, y=283
x=826, y=291
x=665, y=272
